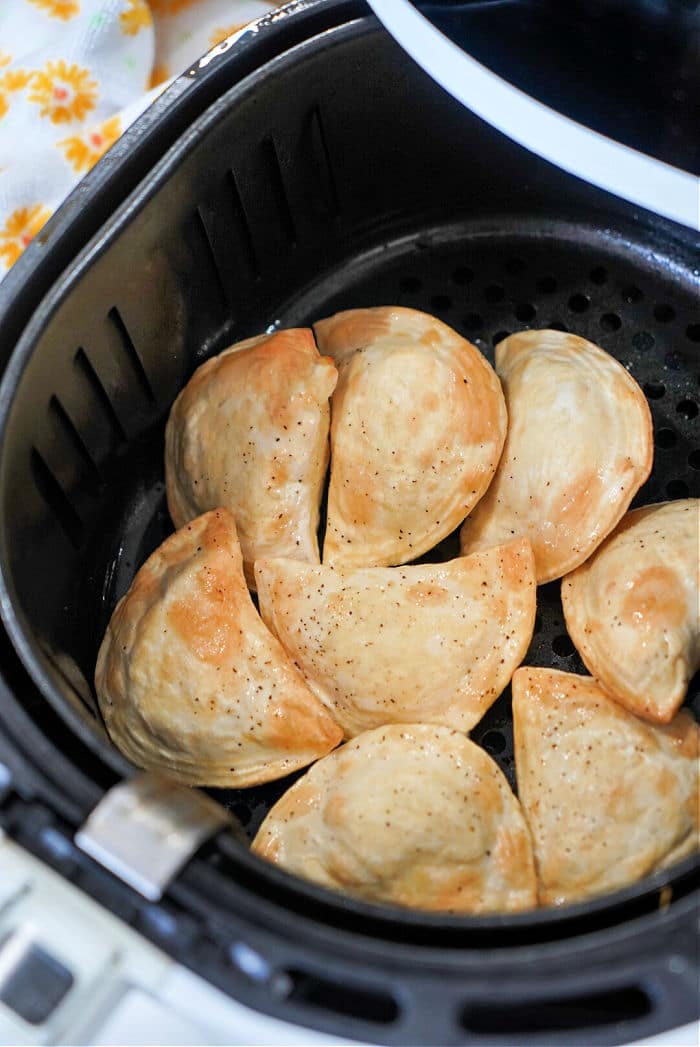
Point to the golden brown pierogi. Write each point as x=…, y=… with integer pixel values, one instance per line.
x=250, y=432
x=608, y=797
x=578, y=449
x=413, y=815
x=632, y=609
x=418, y=424
x=431, y=643
x=189, y=679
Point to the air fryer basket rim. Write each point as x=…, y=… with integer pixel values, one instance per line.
x=21, y=635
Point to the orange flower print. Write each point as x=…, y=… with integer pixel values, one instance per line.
x=135, y=18
x=64, y=92
x=5, y=59
x=63, y=9
x=20, y=229
x=14, y=80
x=222, y=32
x=159, y=74
x=170, y=7
x=83, y=151
x=11, y=80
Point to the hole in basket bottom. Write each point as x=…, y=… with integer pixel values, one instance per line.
x=366, y=1004
x=610, y=322
x=578, y=303
x=574, y=1012
x=665, y=438
x=687, y=408
x=493, y=742
x=642, y=341
x=563, y=646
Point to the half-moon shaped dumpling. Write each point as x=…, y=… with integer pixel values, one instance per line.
x=608, y=797
x=633, y=612
x=579, y=447
x=250, y=432
x=190, y=681
x=418, y=424
x=424, y=643
x=414, y=815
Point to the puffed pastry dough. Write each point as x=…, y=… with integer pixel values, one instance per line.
x=250, y=432
x=608, y=797
x=418, y=424
x=579, y=447
x=190, y=681
x=414, y=815
x=632, y=609
x=423, y=643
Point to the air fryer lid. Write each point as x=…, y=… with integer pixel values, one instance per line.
x=363, y=184
x=607, y=89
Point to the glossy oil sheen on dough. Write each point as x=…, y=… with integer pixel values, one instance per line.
x=418, y=424
x=579, y=447
x=189, y=679
x=432, y=643
x=608, y=797
x=632, y=609
x=413, y=815
x=250, y=432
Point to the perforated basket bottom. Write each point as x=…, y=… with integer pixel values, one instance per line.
x=486, y=283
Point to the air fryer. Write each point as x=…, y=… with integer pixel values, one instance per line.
x=308, y=168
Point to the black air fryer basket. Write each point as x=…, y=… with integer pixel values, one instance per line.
x=313, y=167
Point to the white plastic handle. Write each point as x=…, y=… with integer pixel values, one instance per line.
x=636, y=177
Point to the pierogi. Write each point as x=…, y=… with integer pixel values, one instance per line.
x=189, y=679
x=411, y=814
x=579, y=447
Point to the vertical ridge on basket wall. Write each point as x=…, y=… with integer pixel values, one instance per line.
x=326, y=200
x=118, y=370
x=64, y=423
x=64, y=454
x=131, y=353
x=230, y=240
x=205, y=254
x=242, y=228
x=56, y=499
x=276, y=182
x=84, y=367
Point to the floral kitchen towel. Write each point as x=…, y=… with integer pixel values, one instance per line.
x=73, y=75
